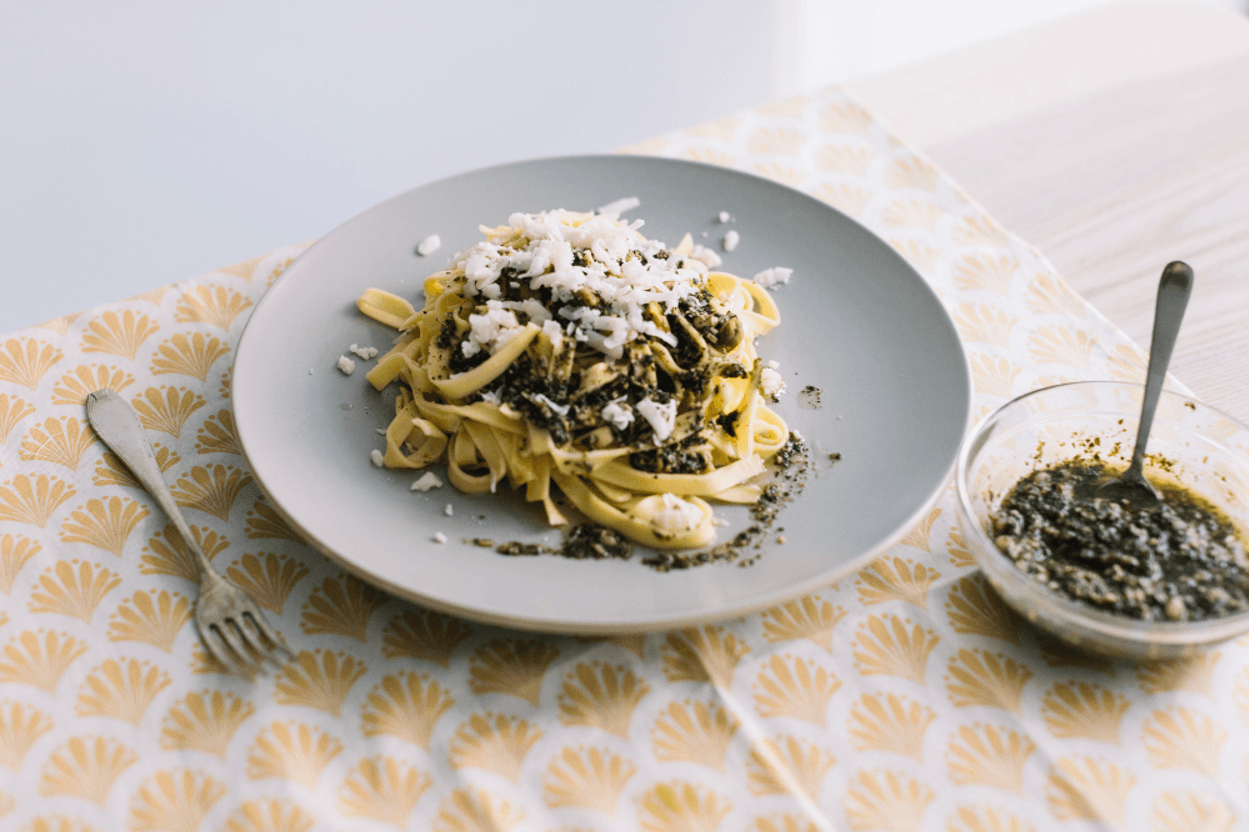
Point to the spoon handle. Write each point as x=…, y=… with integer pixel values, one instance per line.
x=1173, y=291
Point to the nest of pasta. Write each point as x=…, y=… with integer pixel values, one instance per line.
x=566, y=351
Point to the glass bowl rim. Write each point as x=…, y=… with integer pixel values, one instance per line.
x=1042, y=598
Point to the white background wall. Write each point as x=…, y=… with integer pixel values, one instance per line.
x=142, y=141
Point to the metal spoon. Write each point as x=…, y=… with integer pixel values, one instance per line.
x=1173, y=291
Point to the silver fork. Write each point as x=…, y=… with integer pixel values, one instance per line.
x=231, y=626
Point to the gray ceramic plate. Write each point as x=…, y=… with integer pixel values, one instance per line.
x=857, y=322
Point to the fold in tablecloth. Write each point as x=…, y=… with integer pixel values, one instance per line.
x=904, y=697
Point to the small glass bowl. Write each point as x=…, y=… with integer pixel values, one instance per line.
x=1191, y=444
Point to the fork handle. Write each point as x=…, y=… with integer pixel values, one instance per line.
x=118, y=425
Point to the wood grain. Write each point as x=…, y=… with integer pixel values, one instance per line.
x=1113, y=186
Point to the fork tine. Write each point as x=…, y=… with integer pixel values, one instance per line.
x=233, y=635
x=215, y=644
x=271, y=635
x=258, y=641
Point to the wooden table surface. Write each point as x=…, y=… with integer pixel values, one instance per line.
x=1111, y=181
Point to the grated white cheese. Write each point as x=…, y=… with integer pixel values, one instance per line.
x=676, y=516
x=541, y=398
x=771, y=277
x=705, y=256
x=724, y=216
x=346, y=365
x=429, y=245
x=609, y=268
x=619, y=206
x=426, y=481
x=553, y=331
x=439, y=537
x=367, y=353
x=618, y=413
x=449, y=510
x=377, y=457
x=662, y=417
x=772, y=383
x=490, y=330
x=731, y=240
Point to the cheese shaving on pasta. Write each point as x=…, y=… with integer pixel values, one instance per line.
x=568, y=352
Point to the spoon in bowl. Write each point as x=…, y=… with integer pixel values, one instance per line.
x=1174, y=288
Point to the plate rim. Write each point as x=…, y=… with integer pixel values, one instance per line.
x=565, y=625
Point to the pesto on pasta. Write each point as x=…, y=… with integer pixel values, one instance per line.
x=567, y=351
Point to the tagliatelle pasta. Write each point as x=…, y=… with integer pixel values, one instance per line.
x=566, y=351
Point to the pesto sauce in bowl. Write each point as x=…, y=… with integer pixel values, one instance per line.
x=1181, y=560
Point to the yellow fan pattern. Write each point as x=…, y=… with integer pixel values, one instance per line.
x=905, y=697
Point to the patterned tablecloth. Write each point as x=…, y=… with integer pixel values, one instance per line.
x=904, y=697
